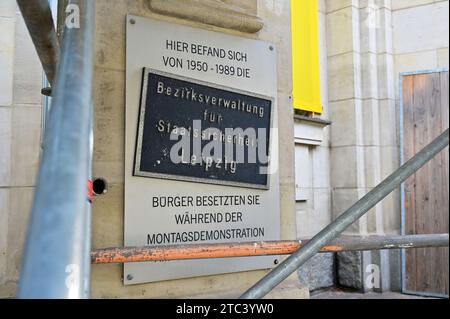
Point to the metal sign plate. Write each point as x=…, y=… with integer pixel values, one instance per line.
x=171, y=103
x=169, y=202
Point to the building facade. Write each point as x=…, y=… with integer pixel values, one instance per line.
x=327, y=159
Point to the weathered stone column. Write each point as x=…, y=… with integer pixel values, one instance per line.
x=364, y=147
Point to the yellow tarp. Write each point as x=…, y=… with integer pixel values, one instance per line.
x=305, y=54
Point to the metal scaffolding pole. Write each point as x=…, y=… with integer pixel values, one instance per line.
x=61, y=13
x=57, y=253
x=39, y=21
x=333, y=230
x=207, y=251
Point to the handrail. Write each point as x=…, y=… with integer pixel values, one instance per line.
x=334, y=229
x=39, y=21
x=56, y=260
x=269, y=248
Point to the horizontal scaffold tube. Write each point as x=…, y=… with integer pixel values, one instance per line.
x=207, y=251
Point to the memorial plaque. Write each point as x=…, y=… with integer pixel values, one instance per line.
x=201, y=146
x=215, y=118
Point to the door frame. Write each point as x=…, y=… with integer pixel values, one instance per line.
x=402, y=187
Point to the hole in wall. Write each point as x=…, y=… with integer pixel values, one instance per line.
x=100, y=186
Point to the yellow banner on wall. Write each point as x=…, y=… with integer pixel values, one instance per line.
x=305, y=55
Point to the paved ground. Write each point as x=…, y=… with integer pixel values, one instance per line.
x=340, y=294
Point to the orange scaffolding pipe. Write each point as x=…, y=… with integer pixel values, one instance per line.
x=207, y=251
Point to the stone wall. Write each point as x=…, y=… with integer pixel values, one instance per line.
x=369, y=43
x=109, y=102
x=364, y=143
x=20, y=119
x=365, y=45
x=20, y=131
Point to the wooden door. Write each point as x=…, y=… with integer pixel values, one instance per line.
x=425, y=111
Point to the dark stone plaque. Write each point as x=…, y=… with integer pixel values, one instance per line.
x=195, y=131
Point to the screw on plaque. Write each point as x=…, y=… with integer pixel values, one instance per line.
x=132, y=21
x=275, y=261
x=271, y=48
x=130, y=277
